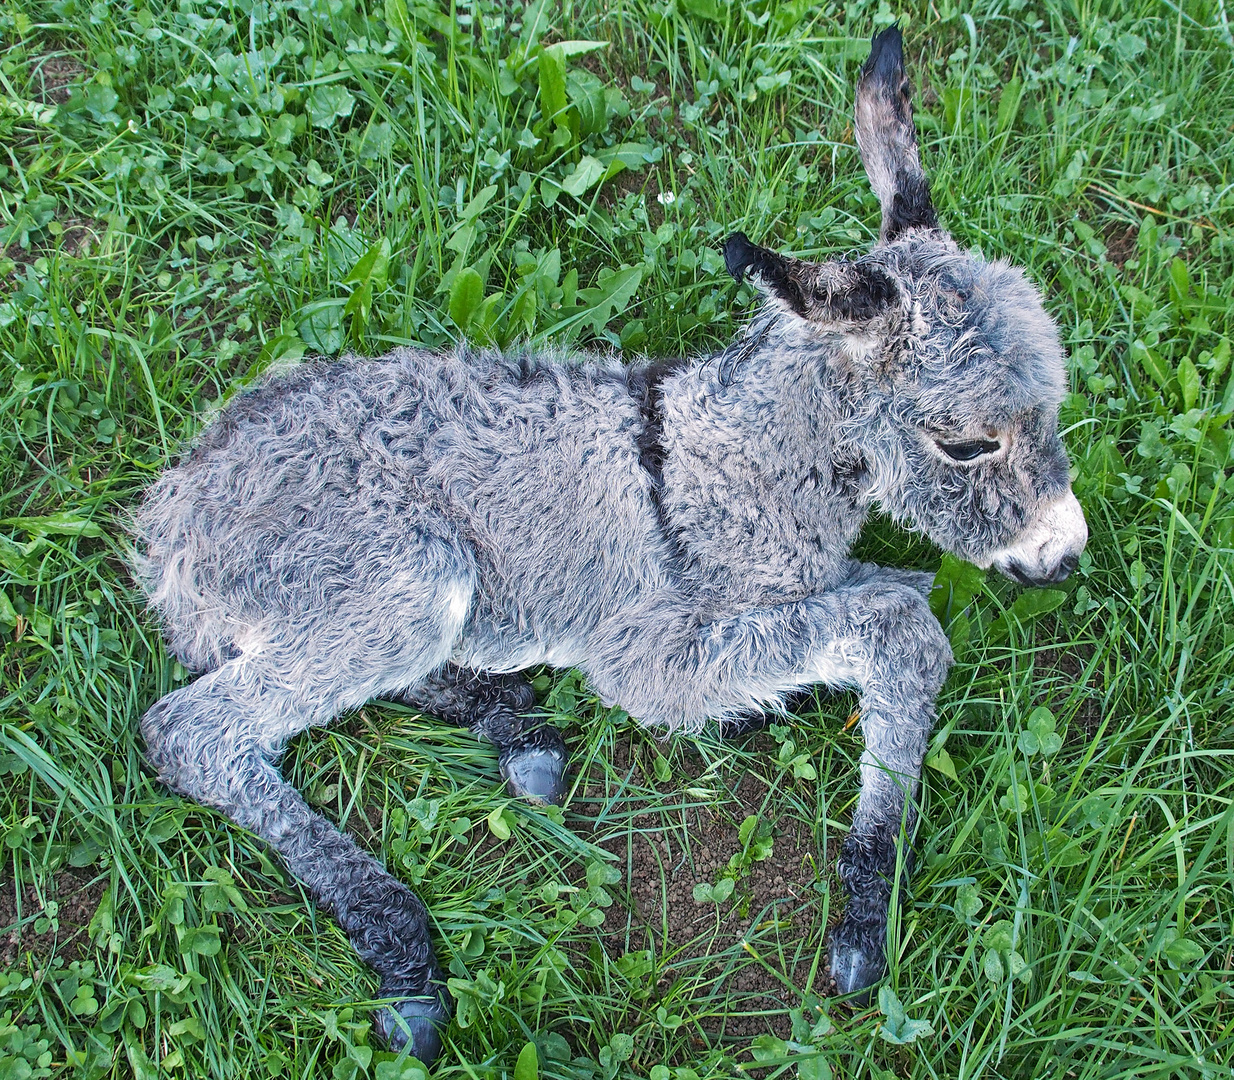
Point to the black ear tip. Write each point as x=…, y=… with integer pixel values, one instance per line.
x=886, y=59
x=739, y=254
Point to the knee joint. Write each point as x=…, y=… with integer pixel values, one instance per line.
x=904, y=628
x=188, y=737
x=158, y=730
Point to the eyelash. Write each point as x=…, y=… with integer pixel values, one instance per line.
x=968, y=451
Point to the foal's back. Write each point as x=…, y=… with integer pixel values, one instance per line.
x=519, y=473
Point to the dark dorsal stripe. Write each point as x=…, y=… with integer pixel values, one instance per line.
x=645, y=385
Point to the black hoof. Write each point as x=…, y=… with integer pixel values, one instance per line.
x=856, y=970
x=535, y=773
x=412, y=1024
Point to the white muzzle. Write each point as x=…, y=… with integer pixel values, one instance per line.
x=1049, y=549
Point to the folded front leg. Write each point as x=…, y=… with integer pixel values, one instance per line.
x=905, y=661
x=877, y=635
x=664, y=665
x=863, y=573
x=531, y=751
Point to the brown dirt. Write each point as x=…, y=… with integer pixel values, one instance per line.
x=1120, y=242
x=20, y=258
x=80, y=234
x=626, y=182
x=1070, y=663
x=774, y=900
x=53, y=76
x=77, y=892
x=346, y=209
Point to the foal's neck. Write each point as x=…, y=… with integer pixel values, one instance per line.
x=760, y=487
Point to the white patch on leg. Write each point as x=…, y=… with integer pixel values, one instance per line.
x=250, y=641
x=861, y=346
x=838, y=663
x=458, y=602
x=560, y=654
x=564, y=654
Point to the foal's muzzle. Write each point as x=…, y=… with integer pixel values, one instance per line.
x=1049, y=549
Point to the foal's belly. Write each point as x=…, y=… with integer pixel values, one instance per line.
x=492, y=650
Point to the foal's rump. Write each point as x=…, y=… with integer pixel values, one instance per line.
x=333, y=611
x=276, y=531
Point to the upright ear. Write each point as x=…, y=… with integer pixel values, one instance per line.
x=832, y=292
x=888, y=140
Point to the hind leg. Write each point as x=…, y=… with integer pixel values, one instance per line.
x=215, y=741
x=746, y=723
x=204, y=741
x=531, y=752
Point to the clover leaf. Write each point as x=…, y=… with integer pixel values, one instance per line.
x=899, y=1029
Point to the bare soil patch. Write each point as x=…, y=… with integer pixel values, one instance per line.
x=1120, y=242
x=1071, y=663
x=79, y=235
x=75, y=892
x=53, y=75
x=775, y=908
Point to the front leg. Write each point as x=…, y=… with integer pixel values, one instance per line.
x=663, y=666
x=905, y=659
x=862, y=573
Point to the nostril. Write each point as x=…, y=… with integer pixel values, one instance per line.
x=1068, y=563
x=1018, y=573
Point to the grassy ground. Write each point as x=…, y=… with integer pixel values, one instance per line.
x=192, y=191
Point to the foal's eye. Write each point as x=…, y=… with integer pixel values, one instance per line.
x=968, y=451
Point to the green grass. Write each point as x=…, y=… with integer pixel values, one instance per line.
x=192, y=191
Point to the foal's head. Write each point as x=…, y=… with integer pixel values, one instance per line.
x=950, y=370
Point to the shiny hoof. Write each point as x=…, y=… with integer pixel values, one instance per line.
x=856, y=971
x=413, y=1024
x=535, y=773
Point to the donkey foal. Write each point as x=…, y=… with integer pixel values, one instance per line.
x=427, y=525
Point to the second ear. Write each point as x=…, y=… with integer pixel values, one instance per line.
x=836, y=291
